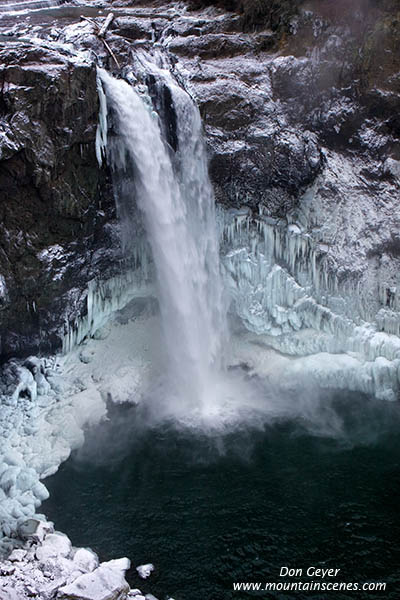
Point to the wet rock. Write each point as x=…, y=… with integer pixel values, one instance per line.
x=133, y=28
x=48, y=166
x=35, y=529
x=212, y=45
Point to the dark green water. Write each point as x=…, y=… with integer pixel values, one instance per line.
x=237, y=507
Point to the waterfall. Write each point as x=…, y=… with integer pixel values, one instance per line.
x=23, y=5
x=175, y=198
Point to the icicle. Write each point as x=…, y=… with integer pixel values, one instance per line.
x=302, y=292
x=104, y=298
x=101, y=132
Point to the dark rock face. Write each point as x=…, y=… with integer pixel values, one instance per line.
x=53, y=197
x=256, y=155
x=273, y=99
x=304, y=95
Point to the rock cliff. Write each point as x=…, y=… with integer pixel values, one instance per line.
x=54, y=200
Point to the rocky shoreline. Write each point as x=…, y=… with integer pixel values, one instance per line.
x=46, y=407
x=45, y=565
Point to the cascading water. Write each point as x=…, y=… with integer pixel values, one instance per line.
x=23, y=5
x=177, y=204
x=173, y=193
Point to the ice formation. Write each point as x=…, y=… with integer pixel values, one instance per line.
x=3, y=290
x=105, y=297
x=279, y=277
x=42, y=419
x=282, y=288
x=101, y=132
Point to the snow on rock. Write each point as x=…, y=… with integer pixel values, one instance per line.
x=86, y=560
x=135, y=593
x=9, y=595
x=104, y=583
x=50, y=568
x=17, y=555
x=119, y=564
x=24, y=382
x=121, y=366
x=54, y=545
x=392, y=167
x=38, y=433
x=43, y=419
x=145, y=571
x=35, y=366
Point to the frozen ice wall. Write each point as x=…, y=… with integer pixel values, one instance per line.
x=42, y=417
x=284, y=289
x=105, y=297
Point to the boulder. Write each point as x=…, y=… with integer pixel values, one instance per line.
x=102, y=584
x=86, y=560
x=55, y=545
x=17, y=555
x=119, y=564
x=145, y=571
x=35, y=529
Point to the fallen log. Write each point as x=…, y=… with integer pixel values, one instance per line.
x=106, y=25
x=101, y=31
x=111, y=52
x=91, y=21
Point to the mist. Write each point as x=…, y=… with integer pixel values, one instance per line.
x=242, y=407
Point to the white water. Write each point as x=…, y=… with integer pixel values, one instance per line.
x=9, y=6
x=177, y=203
